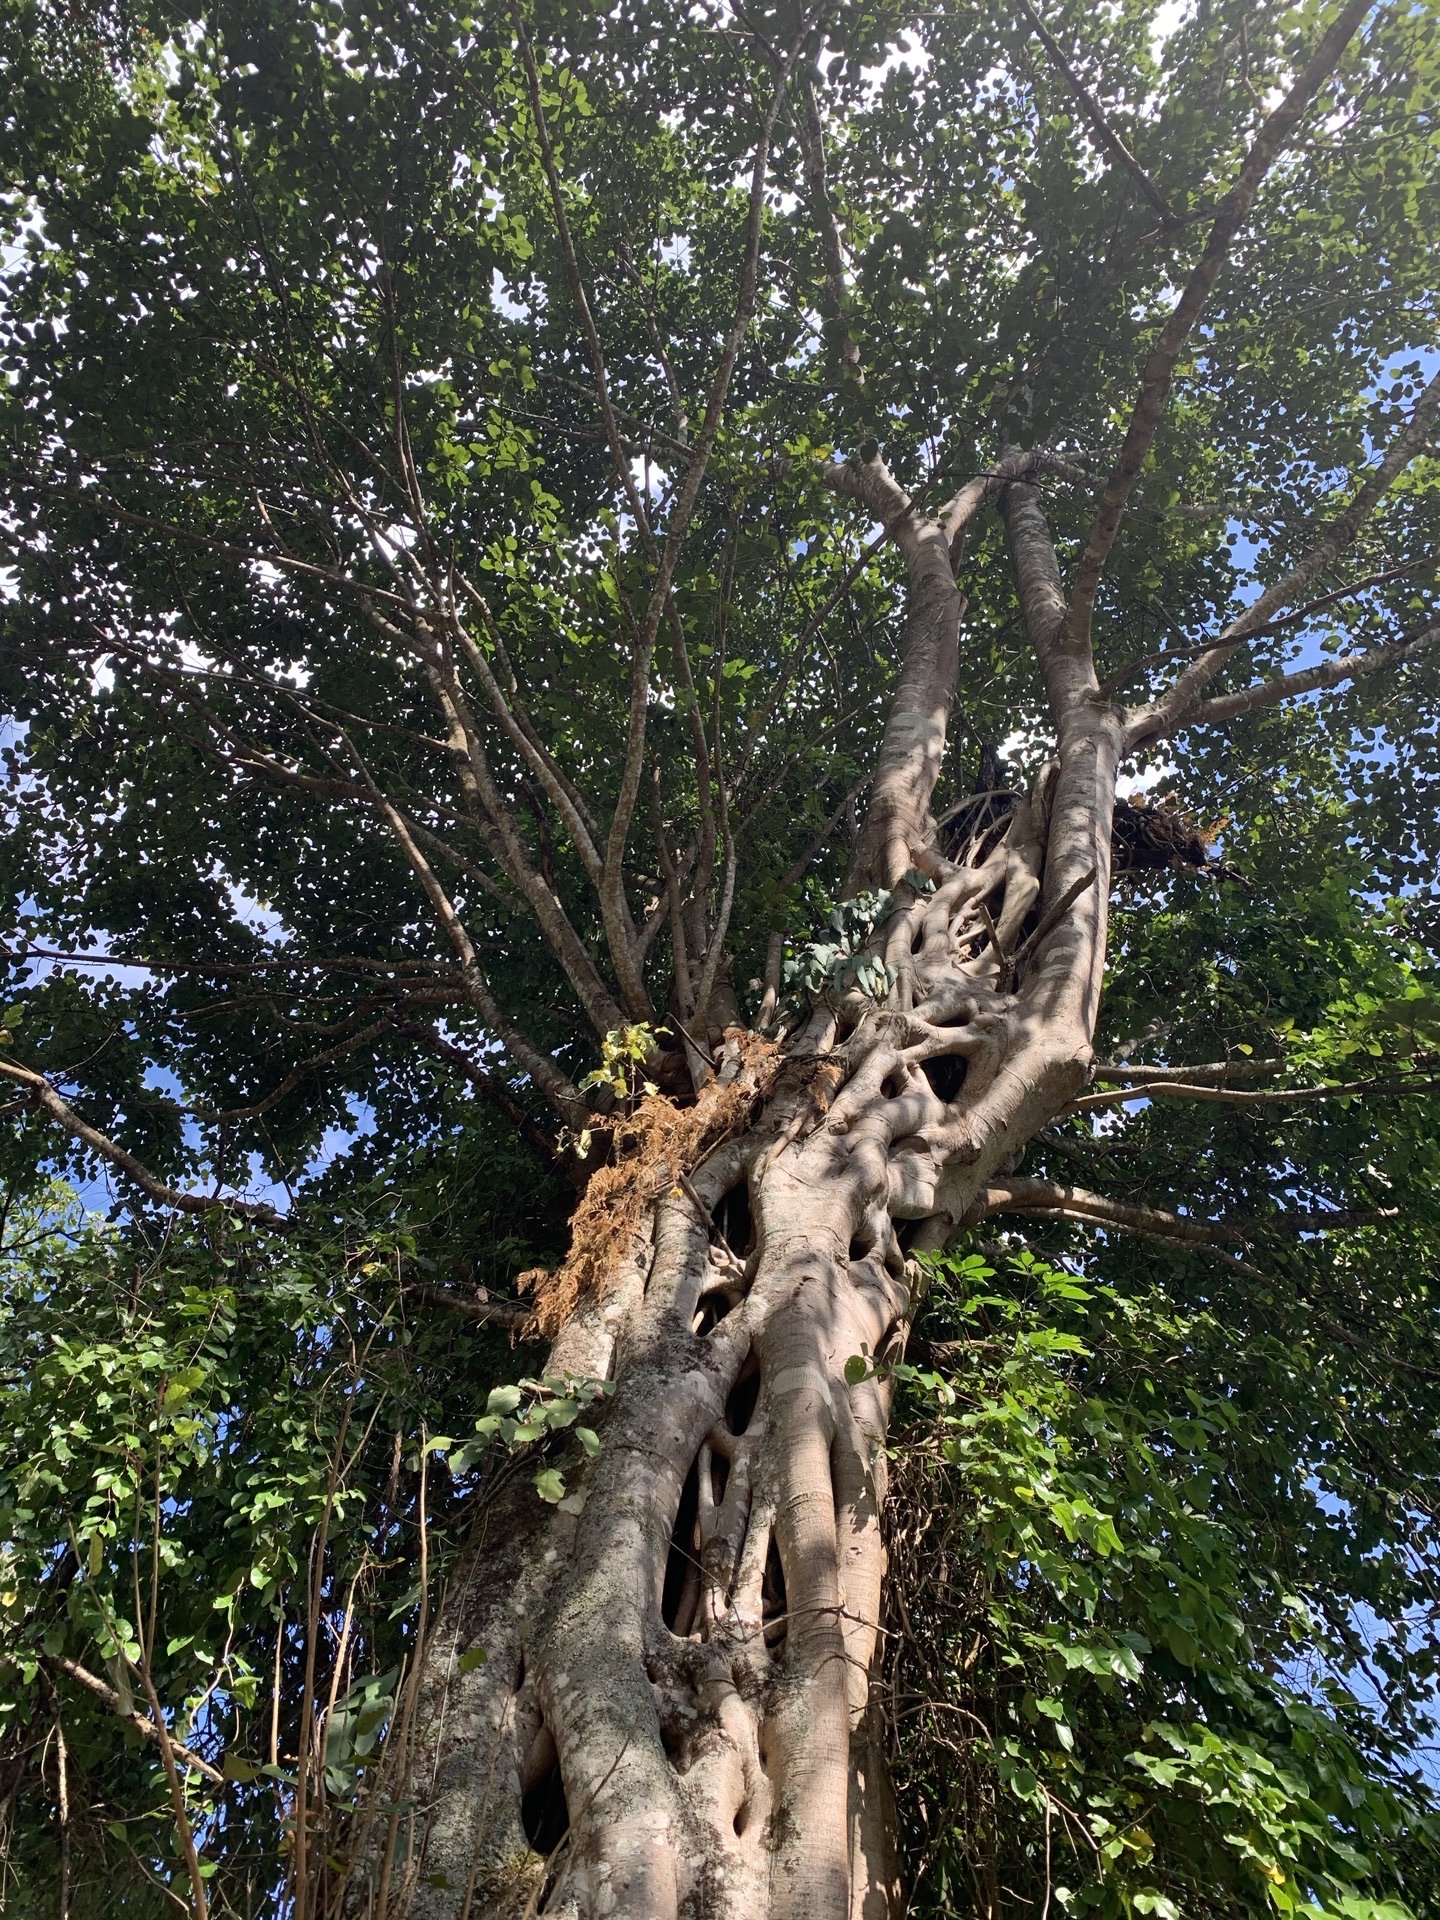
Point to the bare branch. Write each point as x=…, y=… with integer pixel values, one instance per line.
x=540, y=762
x=614, y=909
x=214, y=1117
x=1240, y=1068
x=515, y=1314
x=59, y=1109
x=486, y=1084
x=562, y=1094
x=576, y=282
x=1159, y=371
x=1052, y=918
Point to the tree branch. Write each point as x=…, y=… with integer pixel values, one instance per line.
x=562, y=1094
x=60, y=1110
x=1062, y=652
x=139, y=1721
x=1047, y=1199
x=540, y=762
x=618, y=927
x=907, y=767
x=515, y=1314
x=1290, y=686
x=1159, y=371
x=1241, y=1068
x=486, y=1084
x=495, y=818
x=213, y=1117
x=576, y=282
x=1107, y=136
x=1151, y=721
x=1249, y=1097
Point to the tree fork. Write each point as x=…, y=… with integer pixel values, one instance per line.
x=676, y=1694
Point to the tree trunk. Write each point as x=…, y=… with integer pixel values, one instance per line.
x=674, y=1716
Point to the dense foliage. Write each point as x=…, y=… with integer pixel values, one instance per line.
x=284, y=302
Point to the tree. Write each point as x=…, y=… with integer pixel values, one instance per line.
x=516, y=516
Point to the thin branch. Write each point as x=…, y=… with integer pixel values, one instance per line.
x=1357, y=1345
x=1319, y=1219
x=496, y=822
x=798, y=657
x=1290, y=686
x=340, y=963
x=134, y=1170
x=177, y=1794
x=1048, y=1199
x=139, y=1721
x=797, y=868
x=558, y=1090
x=1122, y=674
x=651, y=433
x=540, y=762
x=1107, y=136
x=486, y=1084
x=613, y=906
x=1151, y=721
x=1249, y=1097
x=715, y=953
x=1053, y=918
x=226, y=550
x=1240, y=1068
x=576, y=282
x=215, y=1117
x=515, y=1314
x=1159, y=372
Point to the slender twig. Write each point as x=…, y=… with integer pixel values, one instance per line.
x=1053, y=917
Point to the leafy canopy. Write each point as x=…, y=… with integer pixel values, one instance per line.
x=286, y=303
